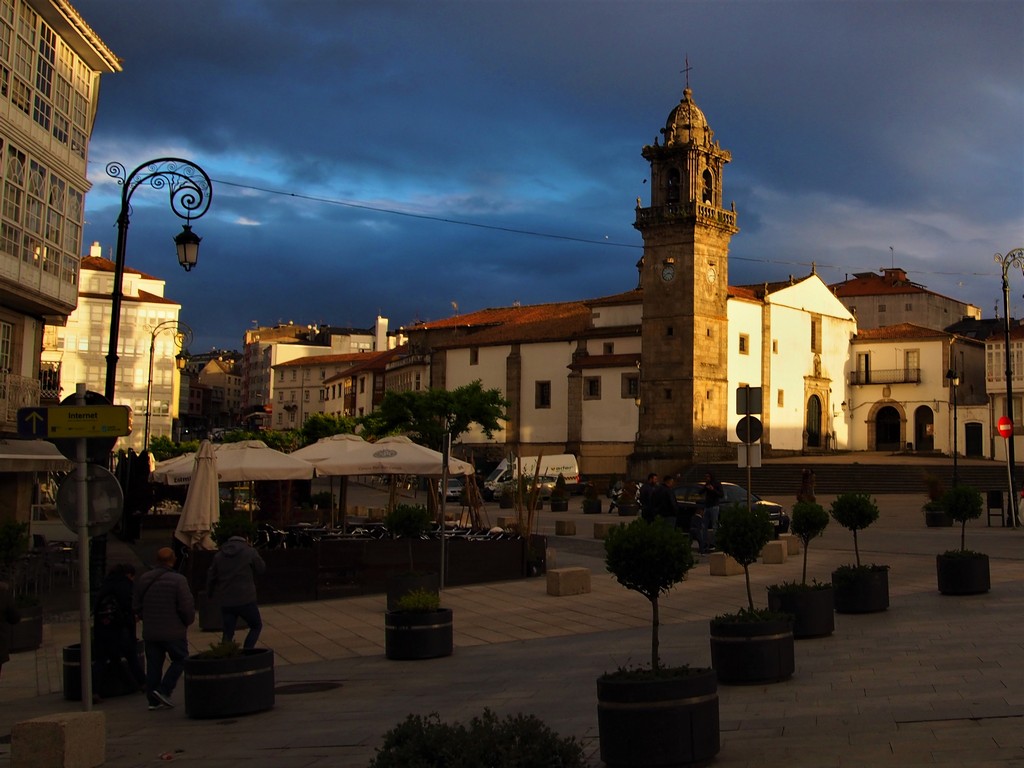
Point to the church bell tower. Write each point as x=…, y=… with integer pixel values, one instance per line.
x=684, y=275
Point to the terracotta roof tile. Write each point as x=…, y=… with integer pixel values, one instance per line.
x=99, y=264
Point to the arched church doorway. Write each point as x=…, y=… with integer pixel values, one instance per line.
x=887, y=429
x=812, y=427
x=924, y=428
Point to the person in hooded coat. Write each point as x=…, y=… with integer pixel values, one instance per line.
x=232, y=580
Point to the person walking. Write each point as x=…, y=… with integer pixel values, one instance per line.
x=712, y=498
x=232, y=580
x=806, y=492
x=663, y=500
x=116, y=644
x=646, y=496
x=10, y=616
x=163, y=599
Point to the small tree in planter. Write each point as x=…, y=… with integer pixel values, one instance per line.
x=935, y=515
x=765, y=654
x=811, y=605
x=227, y=680
x=672, y=712
x=418, y=627
x=560, y=495
x=591, y=500
x=858, y=588
x=409, y=522
x=962, y=571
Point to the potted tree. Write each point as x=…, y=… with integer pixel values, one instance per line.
x=858, y=588
x=507, y=496
x=811, y=605
x=628, y=504
x=409, y=522
x=227, y=680
x=752, y=646
x=591, y=500
x=655, y=715
x=418, y=627
x=962, y=571
x=560, y=495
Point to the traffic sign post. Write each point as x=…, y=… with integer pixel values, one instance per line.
x=75, y=421
x=1004, y=426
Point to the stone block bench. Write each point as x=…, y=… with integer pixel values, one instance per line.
x=568, y=581
x=792, y=543
x=62, y=740
x=565, y=527
x=774, y=552
x=601, y=529
x=722, y=564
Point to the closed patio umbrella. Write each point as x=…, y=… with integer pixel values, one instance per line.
x=202, y=503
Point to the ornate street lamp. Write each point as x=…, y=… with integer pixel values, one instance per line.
x=190, y=191
x=182, y=338
x=1014, y=258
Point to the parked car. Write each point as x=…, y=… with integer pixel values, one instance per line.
x=691, y=496
x=454, y=490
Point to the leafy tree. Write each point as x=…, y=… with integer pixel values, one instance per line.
x=320, y=425
x=164, y=448
x=742, y=534
x=855, y=512
x=809, y=521
x=963, y=503
x=285, y=441
x=426, y=415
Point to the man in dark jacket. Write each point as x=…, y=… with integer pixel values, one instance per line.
x=163, y=600
x=231, y=580
x=663, y=500
x=114, y=631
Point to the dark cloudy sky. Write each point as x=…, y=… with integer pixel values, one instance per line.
x=345, y=139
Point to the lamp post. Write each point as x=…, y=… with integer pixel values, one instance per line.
x=190, y=191
x=182, y=337
x=1013, y=258
x=954, y=382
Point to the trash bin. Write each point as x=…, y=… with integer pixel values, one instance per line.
x=117, y=678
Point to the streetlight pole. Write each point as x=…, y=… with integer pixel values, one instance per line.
x=182, y=337
x=1013, y=258
x=954, y=380
x=190, y=191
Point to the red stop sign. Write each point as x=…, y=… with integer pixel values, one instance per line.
x=1005, y=427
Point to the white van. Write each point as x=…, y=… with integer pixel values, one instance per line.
x=550, y=466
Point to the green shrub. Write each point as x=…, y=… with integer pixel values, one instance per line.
x=234, y=524
x=221, y=650
x=649, y=558
x=855, y=511
x=419, y=601
x=742, y=534
x=518, y=741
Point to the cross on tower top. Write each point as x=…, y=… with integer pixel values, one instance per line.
x=686, y=70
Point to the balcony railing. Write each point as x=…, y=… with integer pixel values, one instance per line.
x=886, y=376
x=690, y=210
x=16, y=392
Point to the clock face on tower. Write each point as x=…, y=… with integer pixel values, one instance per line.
x=668, y=272
x=711, y=275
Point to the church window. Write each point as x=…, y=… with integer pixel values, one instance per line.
x=744, y=344
x=775, y=346
x=474, y=355
x=781, y=398
x=668, y=394
x=592, y=388
x=668, y=331
x=708, y=187
x=815, y=334
x=609, y=347
x=672, y=193
x=908, y=307
x=630, y=385
x=542, y=397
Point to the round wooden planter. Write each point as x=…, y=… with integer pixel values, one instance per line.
x=505, y=502
x=418, y=634
x=629, y=510
x=401, y=584
x=667, y=722
x=237, y=685
x=591, y=506
x=115, y=682
x=963, y=575
x=813, y=610
x=751, y=653
x=559, y=505
x=27, y=634
x=866, y=592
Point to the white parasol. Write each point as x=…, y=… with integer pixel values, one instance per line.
x=202, y=504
